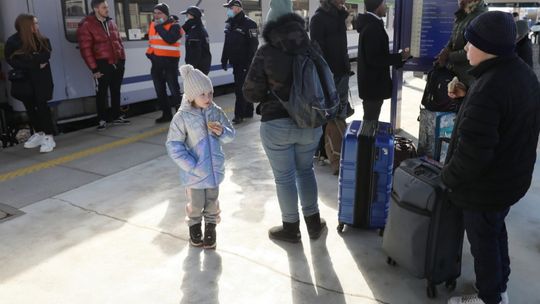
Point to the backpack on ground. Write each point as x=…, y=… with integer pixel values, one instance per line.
x=335, y=130
x=313, y=99
x=404, y=148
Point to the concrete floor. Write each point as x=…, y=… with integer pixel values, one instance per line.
x=109, y=228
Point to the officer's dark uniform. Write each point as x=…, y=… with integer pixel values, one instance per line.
x=241, y=42
x=197, y=42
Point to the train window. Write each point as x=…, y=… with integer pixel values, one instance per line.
x=74, y=11
x=252, y=8
x=133, y=18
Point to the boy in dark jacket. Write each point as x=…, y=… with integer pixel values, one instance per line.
x=375, y=59
x=493, y=149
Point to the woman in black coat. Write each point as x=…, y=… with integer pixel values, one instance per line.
x=28, y=53
x=197, y=43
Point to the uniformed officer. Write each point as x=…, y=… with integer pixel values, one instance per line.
x=164, y=52
x=197, y=42
x=241, y=42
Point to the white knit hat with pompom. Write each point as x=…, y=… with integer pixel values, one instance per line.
x=195, y=82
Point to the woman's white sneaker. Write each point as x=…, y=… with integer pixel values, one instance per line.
x=474, y=299
x=48, y=144
x=34, y=141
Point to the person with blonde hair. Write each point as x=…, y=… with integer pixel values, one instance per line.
x=28, y=53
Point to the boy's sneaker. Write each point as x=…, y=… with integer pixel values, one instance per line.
x=48, y=144
x=209, y=241
x=102, y=125
x=121, y=121
x=504, y=295
x=195, y=235
x=34, y=141
x=471, y=299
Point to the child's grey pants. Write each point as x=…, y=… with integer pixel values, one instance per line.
x=202, y=203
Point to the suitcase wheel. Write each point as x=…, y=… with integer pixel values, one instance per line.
x=340, y=227
x=381, y=232
x=450, y=285
x=431, y=291
x=391, y=262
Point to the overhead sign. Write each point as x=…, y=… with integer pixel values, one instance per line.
x=430, y=24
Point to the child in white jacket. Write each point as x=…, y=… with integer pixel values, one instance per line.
x=196, y=134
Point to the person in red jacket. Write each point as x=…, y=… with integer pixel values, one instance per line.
x=102, y=50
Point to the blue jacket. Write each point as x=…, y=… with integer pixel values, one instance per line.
x=194, y=149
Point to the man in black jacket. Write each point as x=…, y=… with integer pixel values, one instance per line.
x=492, y=153
x=164, y=52
x=375, y=59
x=197, y=42
x=328, y=29
x=241, y=42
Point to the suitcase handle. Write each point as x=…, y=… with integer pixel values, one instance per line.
x=428, y=164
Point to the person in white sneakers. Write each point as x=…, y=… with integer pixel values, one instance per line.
x=492, y=152
x=28, y=53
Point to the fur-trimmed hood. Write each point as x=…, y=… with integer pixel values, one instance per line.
x=287, y=33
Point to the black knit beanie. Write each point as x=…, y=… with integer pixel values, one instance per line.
x=371, y=5
x=163, y=7
x=493, y=32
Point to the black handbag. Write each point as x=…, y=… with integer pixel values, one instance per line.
x=435, y=96
x=16, y=75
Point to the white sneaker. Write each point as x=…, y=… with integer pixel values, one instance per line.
x=471, y=299
x=48, y=144
x=504, y=295
x=34, y=141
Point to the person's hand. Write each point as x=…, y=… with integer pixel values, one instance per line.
x=456, y=89
x=98, y=75
x=43, y=65
x=406, y=54
x=215, y=127
x=224, y=65
x=442, y=58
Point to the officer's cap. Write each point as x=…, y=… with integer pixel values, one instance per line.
x=193, y=11
x=232, y=3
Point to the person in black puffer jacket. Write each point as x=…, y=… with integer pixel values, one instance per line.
x=289, y=149
x=492, y=152
x=197, y=42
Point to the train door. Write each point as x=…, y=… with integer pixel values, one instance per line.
x=78, y=78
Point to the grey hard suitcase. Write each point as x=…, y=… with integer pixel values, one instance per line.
x=424, y=231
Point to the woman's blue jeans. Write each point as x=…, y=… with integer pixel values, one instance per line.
x=290, y=151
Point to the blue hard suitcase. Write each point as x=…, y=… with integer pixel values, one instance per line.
x=365, y=177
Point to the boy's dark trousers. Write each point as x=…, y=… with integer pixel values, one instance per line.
x=113, y=74
x=487, y=235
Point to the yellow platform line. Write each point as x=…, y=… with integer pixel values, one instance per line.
x=81, y=154
x=85, y=153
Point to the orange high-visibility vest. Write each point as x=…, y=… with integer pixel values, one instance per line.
x=158, y=46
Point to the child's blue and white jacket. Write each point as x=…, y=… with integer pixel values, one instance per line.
x=195, y=149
